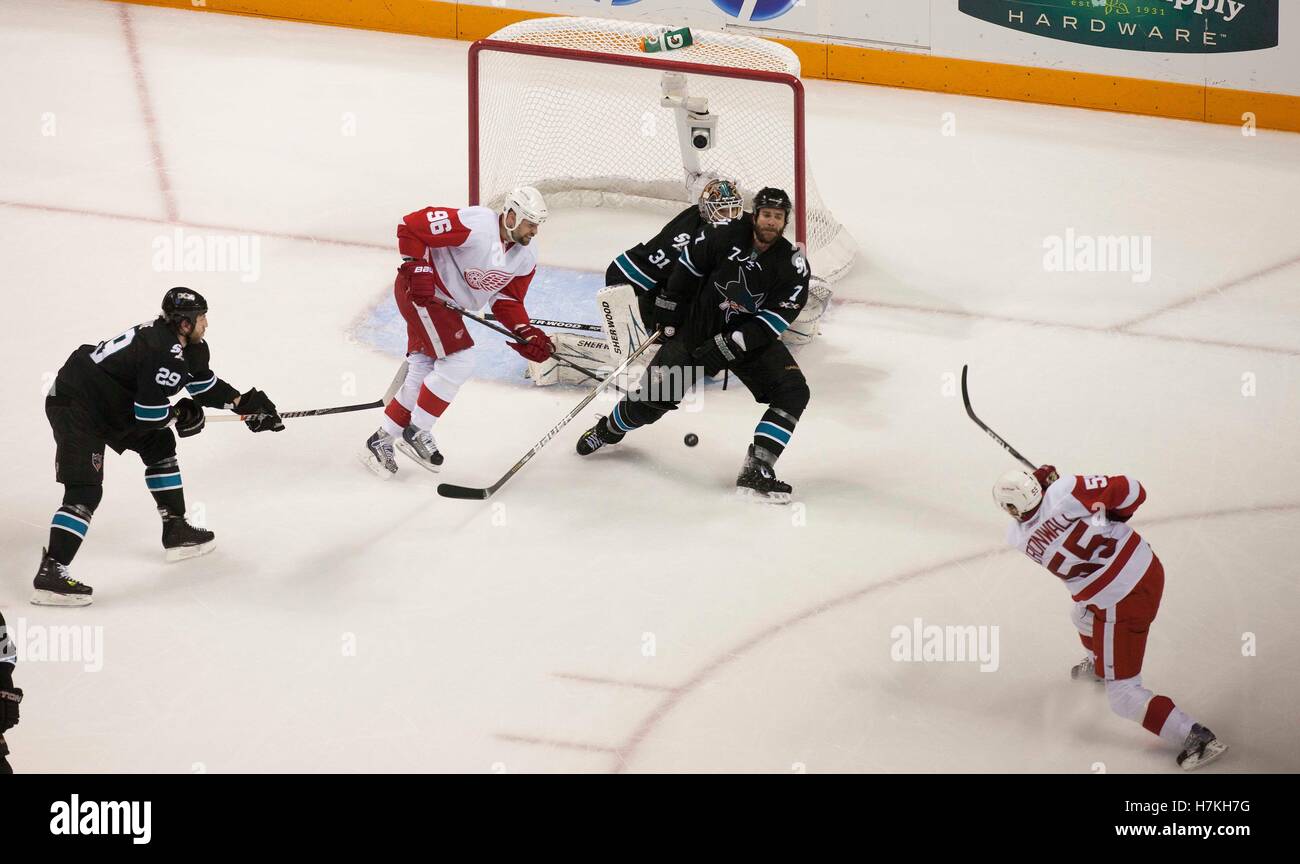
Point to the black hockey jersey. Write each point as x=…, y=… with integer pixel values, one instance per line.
x=647, y=266
x=731, y=288
x=128, y=381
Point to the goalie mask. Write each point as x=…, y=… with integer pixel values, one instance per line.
x=720, y=202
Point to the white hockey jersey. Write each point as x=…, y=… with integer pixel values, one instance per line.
x=1079, y=534
x=471, y=265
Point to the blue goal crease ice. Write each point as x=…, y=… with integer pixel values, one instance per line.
x=556, y=293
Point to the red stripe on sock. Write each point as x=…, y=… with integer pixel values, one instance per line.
x=398, y=414
x=431, y=403
x=1158, y=711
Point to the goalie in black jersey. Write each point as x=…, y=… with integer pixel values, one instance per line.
x=118, y=394
x=736, y=288
x=647, y=266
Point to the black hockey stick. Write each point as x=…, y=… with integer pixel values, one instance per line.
x=492, y=325
x=970, y=412
x=450, y=490
x=320, y=412
x=560, y=325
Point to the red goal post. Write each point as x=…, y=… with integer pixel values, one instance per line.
x=575, y=108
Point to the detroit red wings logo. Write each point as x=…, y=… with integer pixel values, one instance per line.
x=487, y=280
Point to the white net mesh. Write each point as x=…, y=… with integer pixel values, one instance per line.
x=595, y=134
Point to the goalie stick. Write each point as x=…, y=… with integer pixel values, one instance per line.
x=970, y=412
x=320, y=412
x=450, y=490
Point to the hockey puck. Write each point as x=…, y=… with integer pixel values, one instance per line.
x=691, y=439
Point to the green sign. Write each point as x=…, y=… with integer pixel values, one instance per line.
x=1172, y=26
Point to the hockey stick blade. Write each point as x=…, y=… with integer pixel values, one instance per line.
x=451, y=490
x=970, y=412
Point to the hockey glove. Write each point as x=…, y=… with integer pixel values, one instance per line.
x=669, y=315
x=1046, y=475
x=259, y=412
x=420, y=282
x=537, y=346
x=189, y=417
x=716, y=354
x=10, y=698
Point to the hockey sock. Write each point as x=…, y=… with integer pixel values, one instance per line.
x=428, y=408
x=396, y=418
x=773, y=431
x=164, y=481
x=1167, y=720
x=67, y=530
x=624, y=416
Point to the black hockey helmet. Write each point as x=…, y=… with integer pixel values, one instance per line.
x=183, y=304
x=774, y=198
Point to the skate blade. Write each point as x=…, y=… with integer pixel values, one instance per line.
x=776, y=498
x=42, y=597
x=374, y=465
x=409, y=452
x=1213, y=751
x=180, y=553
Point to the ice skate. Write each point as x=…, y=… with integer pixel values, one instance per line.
x=54, y=587
x=1200, y=748
x=378, y=456
x=598, y=436
x=757, y=481
x=1086, y=670
x=419, y=446
x=182, y=540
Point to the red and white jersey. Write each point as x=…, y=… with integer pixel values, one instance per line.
x=1079, y=534
x=471, y=264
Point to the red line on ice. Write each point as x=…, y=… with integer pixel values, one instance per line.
x=146, y=108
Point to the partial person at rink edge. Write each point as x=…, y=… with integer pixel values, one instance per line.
x=471, y=257
x=10, y=696
x=118, y=394
x=736, y=288
x=1076, y=527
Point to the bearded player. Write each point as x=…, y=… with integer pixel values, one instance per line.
x=1077, y=528
x=452, y=259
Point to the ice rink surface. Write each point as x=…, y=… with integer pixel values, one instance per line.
x=624, y=613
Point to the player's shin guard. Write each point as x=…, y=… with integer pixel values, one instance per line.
x=164, y=481
x=72, y=520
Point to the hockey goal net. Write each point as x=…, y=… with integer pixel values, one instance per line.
x=577, y=108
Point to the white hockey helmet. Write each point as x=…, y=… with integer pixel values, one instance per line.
x=1018, y=492
x=527, y=203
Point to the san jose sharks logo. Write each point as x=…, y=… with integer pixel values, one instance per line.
x=737, y=298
